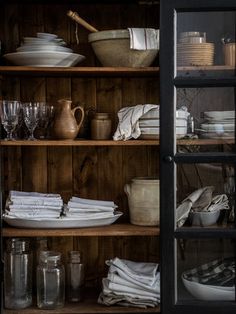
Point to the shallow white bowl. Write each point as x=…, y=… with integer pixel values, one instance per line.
x=209, y=293
x=47, y=36
x=204, y=219
x=44, y=58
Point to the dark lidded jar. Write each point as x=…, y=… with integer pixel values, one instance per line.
x=101, y=127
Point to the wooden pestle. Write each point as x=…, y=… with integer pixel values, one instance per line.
x=75, y=16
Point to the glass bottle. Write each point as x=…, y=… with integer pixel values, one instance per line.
x=101, y=127
x=18, y=273
x=50, y=281
x=75, y=276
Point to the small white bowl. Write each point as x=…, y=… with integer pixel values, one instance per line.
x=204, y=219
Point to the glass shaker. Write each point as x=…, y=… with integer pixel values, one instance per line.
x=50, y=281
x=18, y=273
x=75, y=276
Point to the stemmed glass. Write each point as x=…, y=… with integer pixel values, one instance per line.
x=45, y=117
x=31, y=117
x=9, y=112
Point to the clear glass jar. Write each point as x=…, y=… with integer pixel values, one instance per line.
x=101, y=127
x=18, y=274
x=75, y=276
x=50, y=281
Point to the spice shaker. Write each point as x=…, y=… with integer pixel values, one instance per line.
x=18, y=273
x=101, y=126
x=50, y=281
x=75, y=276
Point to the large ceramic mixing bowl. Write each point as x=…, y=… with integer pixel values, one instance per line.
x=112, y=48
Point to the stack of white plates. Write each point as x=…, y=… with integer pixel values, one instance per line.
x=218, y=124
x=149, y=124
x=195, y=54
x=44, y=50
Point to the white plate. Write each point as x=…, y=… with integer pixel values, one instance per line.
x=29, y=48
x=60, y=223
x=46, y=36
x=219, y=115
x=217, y=127
x=44, y=58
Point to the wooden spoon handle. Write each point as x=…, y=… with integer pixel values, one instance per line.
x=75, y=16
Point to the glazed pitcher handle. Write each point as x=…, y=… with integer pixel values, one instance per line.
x=127, y=189
x=82, y=115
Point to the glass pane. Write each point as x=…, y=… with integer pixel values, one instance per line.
x=205, y=119
x=205, y=269
x=205, y=43
x=205, y=195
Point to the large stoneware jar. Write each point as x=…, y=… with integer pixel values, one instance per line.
x=144, y=202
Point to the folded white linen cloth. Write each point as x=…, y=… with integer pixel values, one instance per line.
x=145, y=273
x=35, y=201
x=121, y=279
x=90, y=202
x=107, y=290
x=144, y=38
x=124, y=300
x=134, y=291
x=89, y=215
x=89, y=210
x=200, y=200
x=128, y=125
x=89, y=207
x=22, y=194
x=36, y=214
x=33, y=207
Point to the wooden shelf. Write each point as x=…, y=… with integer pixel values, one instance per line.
x=85, y=307
x=111, y=230
x=79, y=143
x=79, y=71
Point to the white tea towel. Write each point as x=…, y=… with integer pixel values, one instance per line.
x=140, y=293
x=90, y=207
x=90, y=202
x=33, y=214
x=107, y=290
x=144, y=38
x=22, y=194
x=89, y=210
x=116, y=278
x=219, y=202
x=128, y=125
x=89, y=215
x=33, y=207
x=139, y=271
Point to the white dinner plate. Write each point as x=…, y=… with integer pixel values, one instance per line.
x=44, y=58
x=61, y=223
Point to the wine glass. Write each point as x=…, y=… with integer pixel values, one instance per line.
x=9, y=112
x=31, y=117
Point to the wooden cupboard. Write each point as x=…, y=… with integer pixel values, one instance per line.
x=90, y=169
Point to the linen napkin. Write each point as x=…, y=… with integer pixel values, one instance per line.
x=128, y=125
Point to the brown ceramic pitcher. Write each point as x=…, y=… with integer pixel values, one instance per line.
x=65, y=126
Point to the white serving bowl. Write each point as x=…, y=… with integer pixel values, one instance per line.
x=204, y=219
x=44, y=58
x=47, y=36
x=43, y=48
x=155, y=114
x=209, y=293
x=112, y=48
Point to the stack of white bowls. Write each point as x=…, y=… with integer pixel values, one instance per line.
x=44, y=50
x=149, y=124
x=218, y=124
x=193, y=50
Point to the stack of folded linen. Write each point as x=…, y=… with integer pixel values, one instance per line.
x=131, y=283
x=86, y=208
x=33, y=205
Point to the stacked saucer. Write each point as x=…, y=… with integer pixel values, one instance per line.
x=44, y=50
x=149, y=124
x=217, y=124
x=193, y=50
